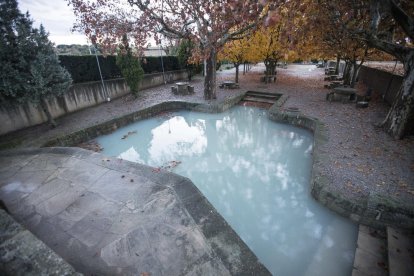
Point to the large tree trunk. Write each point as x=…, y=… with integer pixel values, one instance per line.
x=210, y=77
x=347, y=73
x=354, y=74
x=50, y=119
x=401, y=114
x=338, y=59
x=237, y=72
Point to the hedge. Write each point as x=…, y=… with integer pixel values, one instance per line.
x=84, y=68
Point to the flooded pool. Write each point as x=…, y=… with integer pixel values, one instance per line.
x=256, y=173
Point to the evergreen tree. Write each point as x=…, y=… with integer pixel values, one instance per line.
x=185, y=50
x=130, y=66
x=30, y=70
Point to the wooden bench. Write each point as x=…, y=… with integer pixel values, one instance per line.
x=334, y=84
x=268, y=79
x=229, y=85
x=342, y=94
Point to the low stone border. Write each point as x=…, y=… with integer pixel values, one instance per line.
x=21, y=253
x=377, y=211
x=86, y=134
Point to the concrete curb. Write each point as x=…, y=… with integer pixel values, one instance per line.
x=21, y=253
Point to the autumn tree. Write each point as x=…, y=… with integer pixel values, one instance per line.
x=267, y=43
x=386, y=25
x=236, y=51
x=208, y=23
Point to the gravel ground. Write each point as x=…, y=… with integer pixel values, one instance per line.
x=362, y=158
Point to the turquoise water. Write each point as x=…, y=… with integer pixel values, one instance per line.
x=256, y=173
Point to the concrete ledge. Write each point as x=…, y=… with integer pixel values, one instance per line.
x=109, y=126
x=21, y=253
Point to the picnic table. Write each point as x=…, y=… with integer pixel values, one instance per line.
x=268, y=78
x=330, y=71
x=229, y=85
x=334, y=84
x=332, y=78
x=182, y=88
x=343, y=94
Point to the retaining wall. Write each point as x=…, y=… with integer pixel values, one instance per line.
x=382, y=82
x=79, y=96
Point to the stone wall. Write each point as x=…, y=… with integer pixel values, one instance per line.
x=79, y=96
x=381, y=81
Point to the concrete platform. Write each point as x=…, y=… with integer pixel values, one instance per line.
x=400, y=252
x=371, y=253
x=106, y=216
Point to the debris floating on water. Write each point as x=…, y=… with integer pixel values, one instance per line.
x=128, y=134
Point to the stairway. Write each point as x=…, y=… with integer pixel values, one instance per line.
x=384, y=252
x=261, y=97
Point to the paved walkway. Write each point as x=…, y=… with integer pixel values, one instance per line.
x=106, y=216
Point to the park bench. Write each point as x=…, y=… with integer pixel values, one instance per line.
x=342, y=94
x=334, y=84
x=332, y=78
x=229, y=85
x=330, y=71
x=268, y=78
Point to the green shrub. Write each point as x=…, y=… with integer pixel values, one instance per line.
x=84, y=68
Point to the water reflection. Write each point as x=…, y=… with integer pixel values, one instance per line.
x=256, y=174
x=177, y=137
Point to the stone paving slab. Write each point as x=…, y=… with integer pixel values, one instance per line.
x=21, y=253
x=106, y=216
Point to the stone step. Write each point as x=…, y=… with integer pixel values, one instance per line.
x=371, y=253
x=254, y=99
x=400, y=252
x=262, y=95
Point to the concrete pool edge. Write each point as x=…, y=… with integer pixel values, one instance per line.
x=367, y=211
x=228, y=247
x=154, y=110
x=376, y=211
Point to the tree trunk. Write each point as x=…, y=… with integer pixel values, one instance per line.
x=210, y=77
x=50, y=119
x=399, y=120
x=189, y=73
x=236, y=65
x=347, y=73
x=354, y=74
x=338, y=59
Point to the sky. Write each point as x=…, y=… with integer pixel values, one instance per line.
x=57, y=18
